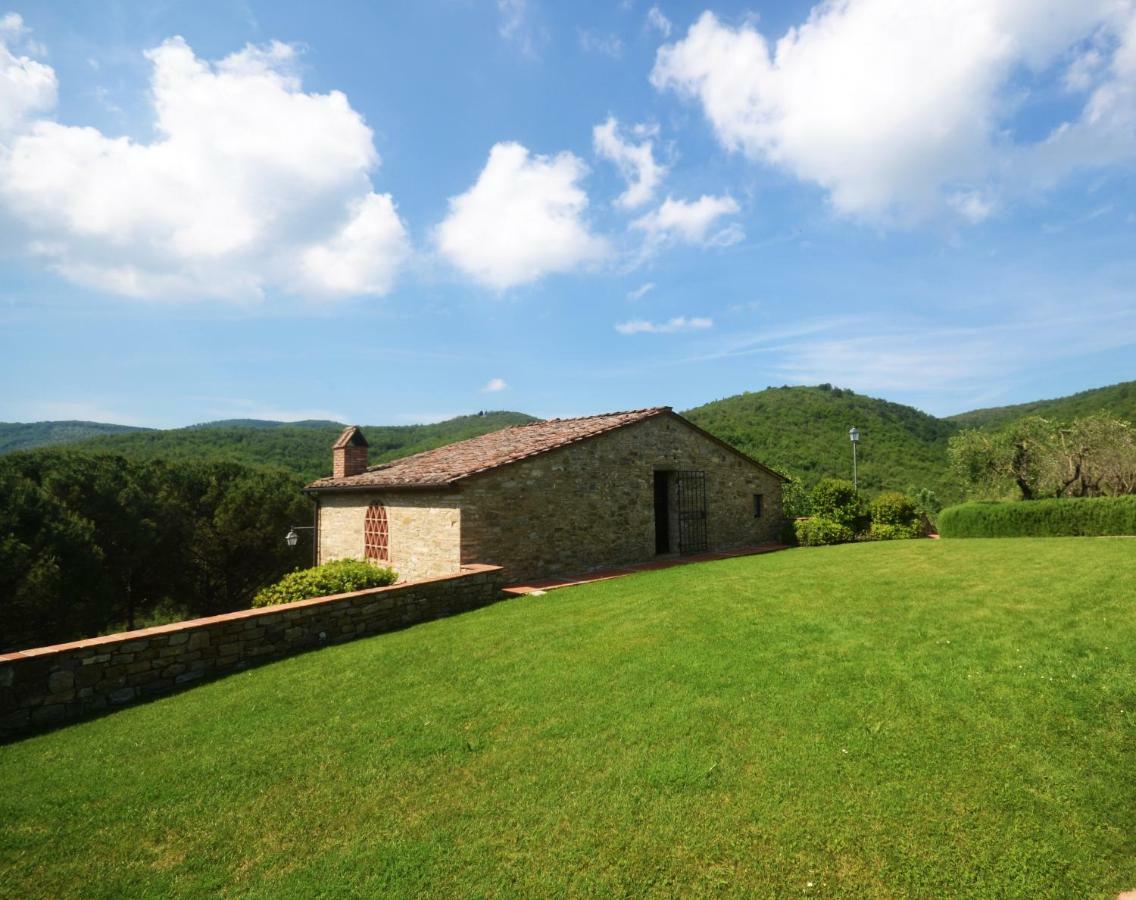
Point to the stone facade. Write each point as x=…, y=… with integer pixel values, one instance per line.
x=585, y=505
x=591, y=504
x=425, y=529
x=48, y=686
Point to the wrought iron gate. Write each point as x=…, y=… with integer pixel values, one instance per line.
x=691, y=511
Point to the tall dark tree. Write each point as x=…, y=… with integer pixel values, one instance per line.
x=95, y=542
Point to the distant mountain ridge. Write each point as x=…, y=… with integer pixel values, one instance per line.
x=1116, y=399
x=29, y=435
x=301, y=447
x=802, y=431
x=267, y=423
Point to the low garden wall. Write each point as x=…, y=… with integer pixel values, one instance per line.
x=46, y=686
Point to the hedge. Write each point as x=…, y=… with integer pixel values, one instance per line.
x=1041, y=518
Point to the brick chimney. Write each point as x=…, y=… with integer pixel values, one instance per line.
x=349, y=453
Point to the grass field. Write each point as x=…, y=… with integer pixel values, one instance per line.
x=911, y=718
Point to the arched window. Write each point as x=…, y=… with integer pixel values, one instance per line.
x=376, y=533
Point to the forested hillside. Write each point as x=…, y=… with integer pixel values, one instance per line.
x=95, y=542
x=29, y=435
x=1117, y=400
x=803, y=432
x=303, y=448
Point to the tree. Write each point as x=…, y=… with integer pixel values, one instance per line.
x=96, y=542
x=1094, y=456
x=837, y=500
x=234, y=519
x=1034, y=457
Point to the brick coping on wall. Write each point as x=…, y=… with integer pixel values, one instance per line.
x=45, y=687
x=192, y=624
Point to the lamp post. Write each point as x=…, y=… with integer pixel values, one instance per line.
x=854, y=436
x=291, y=538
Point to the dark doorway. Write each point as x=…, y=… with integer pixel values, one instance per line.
x=662, y=513
x=691, y=511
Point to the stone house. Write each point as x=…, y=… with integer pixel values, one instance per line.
x=547, y=498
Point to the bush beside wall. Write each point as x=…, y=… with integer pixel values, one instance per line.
x=1041, y=518
x=338, y=577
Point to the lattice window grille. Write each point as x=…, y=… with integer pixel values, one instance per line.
x=376, y=533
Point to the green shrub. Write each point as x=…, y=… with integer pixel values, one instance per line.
x=885, y=531
x=817, y=531
x=337, y=577
x=838, y=501
x=894, y=508
x=1041, y=518
x=795, y=501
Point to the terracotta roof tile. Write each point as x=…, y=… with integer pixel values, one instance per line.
x=445, y=465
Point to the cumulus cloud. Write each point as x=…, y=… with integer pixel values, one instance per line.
x=494, y=385
x=635, y=162
x=249, y=184
x=26, y=85
x=690, y=221
x=364, y=256
x=523, y=219
x=900, y=110
x=678, y=323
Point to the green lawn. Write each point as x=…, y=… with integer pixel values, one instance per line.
x=905, y=719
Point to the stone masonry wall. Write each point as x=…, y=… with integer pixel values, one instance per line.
x=591, y=504
x=47, y=686
x=424, y=530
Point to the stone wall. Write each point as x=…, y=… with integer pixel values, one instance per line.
x=425, y=530
x=591, y=504
x=47, y=686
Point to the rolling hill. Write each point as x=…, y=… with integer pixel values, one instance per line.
x=803, y=432
x=304, y=448
x=1117, y=399
x=29, y=435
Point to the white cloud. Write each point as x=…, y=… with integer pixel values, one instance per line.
x=494, y=385
x=678, y=323
x=515, y=26
x=691, y=221
x=512, y=13
x=26, y=86
x=973, y=206
x=642, y=291
x=635, y=162
x=364, y=256
x=249, y=184
x=521, y=220
x=605, y=44
x=658, y=21
x=896, y=107
x=1104, y=134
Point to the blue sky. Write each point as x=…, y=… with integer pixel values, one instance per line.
x=402, y=212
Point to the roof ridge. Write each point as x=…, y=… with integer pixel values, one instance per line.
x=606, y=415
x=450, y=463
